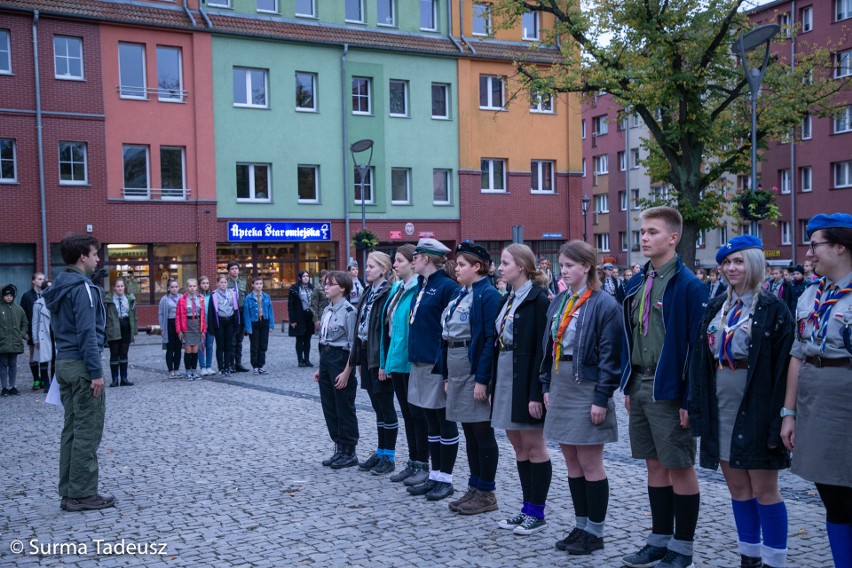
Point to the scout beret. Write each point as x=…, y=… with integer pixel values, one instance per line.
x=833, y=221
x=741, y=242
x=477, y=251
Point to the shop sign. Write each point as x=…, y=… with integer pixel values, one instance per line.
x=426, y=234
x=239, y=231
x=772, y=253
x=551, y=235
x=395, y=235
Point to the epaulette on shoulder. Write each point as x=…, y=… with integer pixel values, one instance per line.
x=349, y=308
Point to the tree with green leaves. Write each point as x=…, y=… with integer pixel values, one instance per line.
x=670, y=62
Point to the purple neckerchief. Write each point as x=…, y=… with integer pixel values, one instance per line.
x=216, y=306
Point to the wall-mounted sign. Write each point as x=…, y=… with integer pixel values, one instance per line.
x=395, y=235
x=409, y=229
x=244, y=231
x=551, y=235
x=426, y=234
x=772, y=253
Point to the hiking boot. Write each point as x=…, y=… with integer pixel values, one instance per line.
x=114, y=383
x=420, y=476
x=423, y=488
x=468, y=495
x=126, y=383
x=90, y=503
x=647, y=557
x=585, y=544
x=4, y=392
x=328, y=461
x=482, y=502
x=63, y=504
x=409, y=470
x=347, y=458
x=384, y=466
x=13, y=391
x=674, y=559
x=571, y=538
x=512, y=522
x=441, y=490
x=369, y=463
x=529, y=526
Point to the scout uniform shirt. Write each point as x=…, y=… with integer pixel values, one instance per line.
x=833, y=339
x=456, y=317
x=742, y=329
x=570, y=331
x=338, y=325
x=507, y=337
x=647, y=348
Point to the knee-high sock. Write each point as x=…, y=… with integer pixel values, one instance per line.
x=380, y=434
x=840, y=544
x=187, y=360
x=524, y=477
x=113, y=369
x=747, y=519
x=34, y=370
x=449, y=451
x=597, y=495
x=579, y=497
x=122, y=367
x=686, y=518
x=540, y=476
x=662, y=510
x=773, y=522
x=391, y=432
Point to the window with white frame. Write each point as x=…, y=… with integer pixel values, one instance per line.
x=173, y=171
x=843, y=9
x=805, y=177
x=806, y=127
x=803, y=230
x=131, y=71
x=602, y=242
x=784, y=22
x=361, y=95
x=136, y=170
x=493, y=175
x=786, y=237
x=250, y=87
x=634, y=120
x=490, y=92
x=385, y=13
x=661, y=193
x=541, y=176
x=602, y=203
x=622, y=200
x=843, y=63
x=723, y=234
x=267, y=6
x=583, y=129
x=843, y=120
x=73, y=169
x=169, y=74
x=306, y=8
x=398, y=91
x=622, y=238
x=307, y=181
x=622, y=122
x=529, y=23
x=254, y=183
x=634, y=240
x=306, y=91
x=219, y=3
x=429, y=15
x=5, y=53
x=699, y=239
x=599, y=125
x=785, y=181
x=401, y=186
x=481, y=25
x=584, y=167
x=541, y=102
x=634, y=158
x=440, y=100
x=8, y=162
x=67, y=57
x=622, y=161
x=364, y=187
x=441, y=187
x=634, y=198
x=601, y=164
x=354, y=11
x=747, y=230
x=842, y=174
x=807, y=19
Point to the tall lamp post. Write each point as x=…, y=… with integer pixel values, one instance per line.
x=360, y=147
x=585, y=206
x=749, y=41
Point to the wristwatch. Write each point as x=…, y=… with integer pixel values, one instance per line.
x=787, y=412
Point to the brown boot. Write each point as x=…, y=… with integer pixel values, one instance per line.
x=482, y=502
x=454, y=505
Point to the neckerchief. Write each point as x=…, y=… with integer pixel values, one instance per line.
x=455, y=304
x=822, y=309
x=570, y=305
x=645, y=304
x=725, y=349
x=503, y=320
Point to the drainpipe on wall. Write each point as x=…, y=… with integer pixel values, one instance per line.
x=345, y=150
x=793, y=147
x=450, y=26
x=628, y=236
x=204, y=14
x=44, y=245
x=189, y=15
x=461, y=27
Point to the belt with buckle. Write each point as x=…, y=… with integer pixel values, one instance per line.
x=738, y=364
x=648, y=371
x=824, y=362
x=454, y=344
x=324, y=347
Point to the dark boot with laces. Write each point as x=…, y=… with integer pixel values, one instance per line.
x=331, y=459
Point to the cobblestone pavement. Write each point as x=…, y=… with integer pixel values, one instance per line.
x=226, y=473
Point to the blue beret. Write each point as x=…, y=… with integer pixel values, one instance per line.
x=834, y=221
x=741, y=242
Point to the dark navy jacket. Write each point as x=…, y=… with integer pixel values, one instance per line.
x=424, y=335
x=684, y=302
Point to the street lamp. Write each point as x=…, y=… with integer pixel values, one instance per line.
x=759, y=36
x=585, y=205
x=363, y=171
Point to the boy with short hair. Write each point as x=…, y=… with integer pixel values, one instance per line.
x=258, y=315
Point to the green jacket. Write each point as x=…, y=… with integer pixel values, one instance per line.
x=113, y=327
x=13, y=328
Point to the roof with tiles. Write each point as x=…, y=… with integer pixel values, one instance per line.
x=170, y=16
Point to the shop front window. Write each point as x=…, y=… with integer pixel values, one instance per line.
x=147, y=268
x=17, y=264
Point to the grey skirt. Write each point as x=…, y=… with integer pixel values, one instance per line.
x=823, y=452
x=568, y=421
x=425, y=389
x=730, y=388
x=192, y=335
x=461, y=406
x=501, y=417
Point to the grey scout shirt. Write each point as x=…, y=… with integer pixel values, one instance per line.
x=647, y=348
x=568, y=338
x=839, y=323
x=338, y=325
x=508, y=335
x=457, y=327
x=742, y=329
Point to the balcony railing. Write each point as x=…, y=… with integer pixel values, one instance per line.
x=142, y=93
x=155, y=194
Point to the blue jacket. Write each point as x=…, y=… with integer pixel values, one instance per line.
x=393, y=353
x=251, y=309
x=684, y=302
x=483, y=332
x=424, y=336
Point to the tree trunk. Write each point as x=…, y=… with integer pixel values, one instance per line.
x=686, y=246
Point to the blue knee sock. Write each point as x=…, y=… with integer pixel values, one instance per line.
x=773, y=523
x=839, y=540
x=747, y=519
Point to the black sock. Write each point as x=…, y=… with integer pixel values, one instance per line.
x=44, y=372
x=524, y=476
x=122, y=367
x=380, y=433
x=540, y=475
x=113, y=369
x=662, y=509
x=448, y=455
x=187, y=360
x=488, y=458
x=686, y=516
x=34, y=370
x=435, y=454
x=579, y=496
x=597, y=494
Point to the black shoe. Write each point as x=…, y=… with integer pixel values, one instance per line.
x=647, y=557
x=674, y=559
x=91, y=503
x=442, y=490
x=240, y=369
x=126, y=383
x=585, y=544
x=4, y=392
x=347, y=458
x=13, y=391
x=750, y=562
x=328, y=461
x=572, y=537
x=114, y=383
x=369, y=463
x=302, y=364
x=409, y=470
x=384, y=466
x=308, y=363
x=423, y=488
